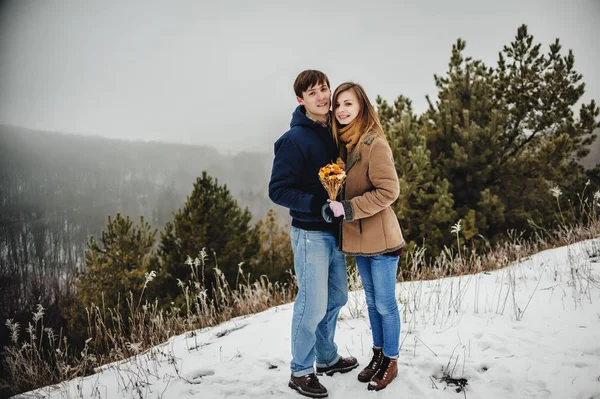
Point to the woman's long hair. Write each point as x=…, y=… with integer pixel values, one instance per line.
x=367, y=118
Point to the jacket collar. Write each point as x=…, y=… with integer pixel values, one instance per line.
x=301, y=118
x=354, y=156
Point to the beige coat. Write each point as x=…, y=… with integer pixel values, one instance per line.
x=370, y=225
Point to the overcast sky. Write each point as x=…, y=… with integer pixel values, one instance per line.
x=221, y=73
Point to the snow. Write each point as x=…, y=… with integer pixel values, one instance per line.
x=531, y=330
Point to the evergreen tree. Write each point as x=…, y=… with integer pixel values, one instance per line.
x=493, y=144
x=463, y=132
x=543, y=139
x=424, y=207
x=210, y=219
x=117, y=264
x=505, y=136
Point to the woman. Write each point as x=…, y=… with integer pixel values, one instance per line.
x=370, y=230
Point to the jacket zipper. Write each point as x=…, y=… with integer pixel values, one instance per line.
x=360, y=226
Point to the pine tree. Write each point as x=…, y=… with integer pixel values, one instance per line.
x=424, y=208
x=504, y=136
x=210, y=219
x=116, y=265
x=493, y=144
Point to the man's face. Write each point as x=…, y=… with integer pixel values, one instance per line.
x=316, y=99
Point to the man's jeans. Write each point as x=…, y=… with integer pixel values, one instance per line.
x=323, y=290
x=378, y=275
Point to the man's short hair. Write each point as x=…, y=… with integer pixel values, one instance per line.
x=309, y=78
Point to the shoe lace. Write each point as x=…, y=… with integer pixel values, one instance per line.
x=312, y=381
x=374, y=360
x=384, y=366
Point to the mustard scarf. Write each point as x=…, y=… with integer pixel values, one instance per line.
x=349, y=135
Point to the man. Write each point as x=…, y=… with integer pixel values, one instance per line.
x=320, y=267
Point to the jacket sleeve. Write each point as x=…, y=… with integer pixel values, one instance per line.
x=384, y=178
x=286, y=177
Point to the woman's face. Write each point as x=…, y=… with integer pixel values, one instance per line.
x=346, y=107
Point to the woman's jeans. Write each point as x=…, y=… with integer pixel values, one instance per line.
x=378, y=275
x=322, y=291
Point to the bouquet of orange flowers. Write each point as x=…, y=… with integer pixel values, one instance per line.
x=332, y=177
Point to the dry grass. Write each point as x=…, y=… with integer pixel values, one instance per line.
x=454, y=263
x=41, y=357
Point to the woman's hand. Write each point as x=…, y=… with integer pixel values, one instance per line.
x=337, y=208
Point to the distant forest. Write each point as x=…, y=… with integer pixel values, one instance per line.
x=57, y=189
x=593, y=158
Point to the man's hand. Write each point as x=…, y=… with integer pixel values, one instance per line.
x=327, y=213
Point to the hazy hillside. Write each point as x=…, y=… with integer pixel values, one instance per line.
x=140, y=167
x=56, y=190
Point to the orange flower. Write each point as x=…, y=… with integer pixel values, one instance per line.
x=332, y=177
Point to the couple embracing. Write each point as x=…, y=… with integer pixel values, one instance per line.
x=360, y=223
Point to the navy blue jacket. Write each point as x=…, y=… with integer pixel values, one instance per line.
x=295, y=184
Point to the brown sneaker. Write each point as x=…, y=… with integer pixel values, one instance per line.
x=308, y=385
x=385, y=375
x=343, y=365
x=368, y=372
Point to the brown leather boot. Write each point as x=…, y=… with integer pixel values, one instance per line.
x=368, y=372
x=308, y=385
x=385, y=375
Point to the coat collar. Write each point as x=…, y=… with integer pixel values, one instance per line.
x=354, y=156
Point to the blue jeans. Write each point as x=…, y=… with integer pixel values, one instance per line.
x=322, y=291
x=378, y=275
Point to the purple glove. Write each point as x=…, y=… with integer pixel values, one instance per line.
x=337, y=208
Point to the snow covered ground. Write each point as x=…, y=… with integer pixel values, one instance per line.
x=531, y=330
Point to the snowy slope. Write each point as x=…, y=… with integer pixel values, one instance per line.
x=531, y=330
